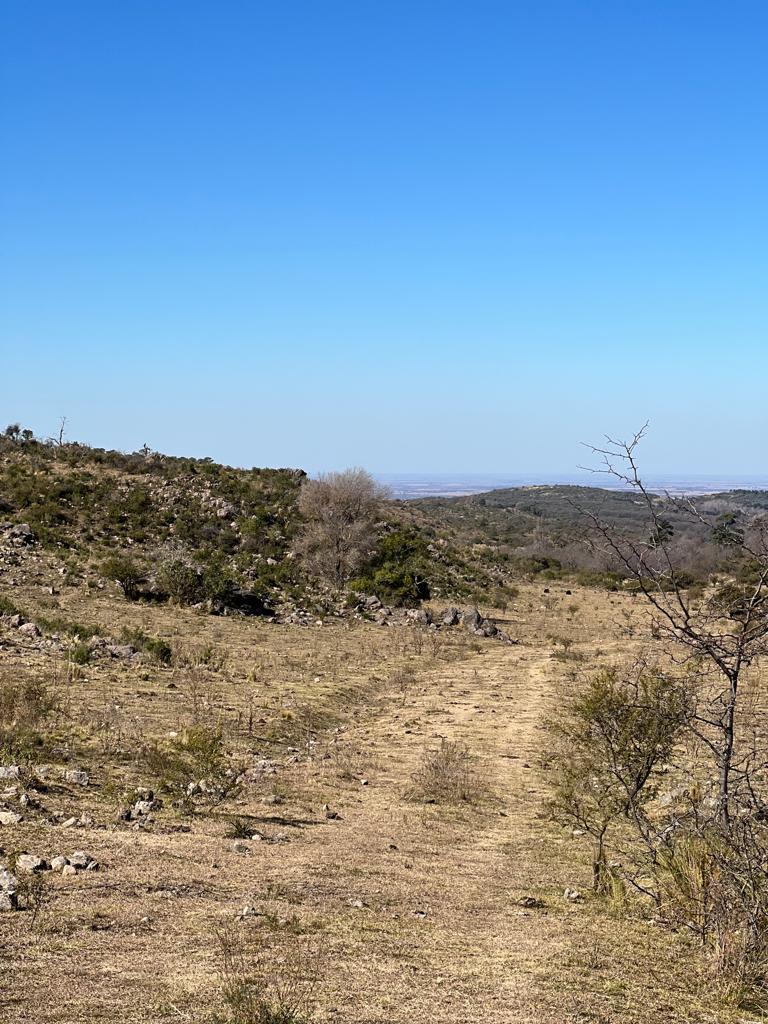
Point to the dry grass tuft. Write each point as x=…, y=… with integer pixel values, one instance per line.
x=447, y=775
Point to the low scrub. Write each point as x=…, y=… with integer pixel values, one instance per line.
x=447, y=775
x=26, y=706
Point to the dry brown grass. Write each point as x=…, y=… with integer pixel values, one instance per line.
x=415, y=909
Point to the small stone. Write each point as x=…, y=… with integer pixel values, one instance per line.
x=10, y=771
x=142, y=807
x=529, y=902
x=121, y=650
x=69, y=869
x=76, y=778
x=9, y=818
x=69, y=823
x=7, y=901
x=29, y=862
x=59, y=863
x=241, y=848
x=80, y=859
x=8, y=882
x=572, y=895
x=30, y=629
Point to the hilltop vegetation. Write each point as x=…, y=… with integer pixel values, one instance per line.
x=194, y=531
x=258, y=540
x=541, y=531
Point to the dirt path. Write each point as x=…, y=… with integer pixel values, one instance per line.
x=413, y=906
x=440, y=935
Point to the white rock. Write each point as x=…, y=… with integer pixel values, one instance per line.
x=29, y=862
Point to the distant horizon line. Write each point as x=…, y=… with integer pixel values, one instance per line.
x=411, y=485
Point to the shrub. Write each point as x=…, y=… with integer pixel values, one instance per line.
x=157, y=648
x=399, y=569
x=196, y=756
x=80, y=653
x=610, y=741
x=447, y=775
x=126, y=572
x=25, y=706
x=256, y=991
x=180, y=580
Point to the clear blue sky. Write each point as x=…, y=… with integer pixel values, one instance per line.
x=413, y=236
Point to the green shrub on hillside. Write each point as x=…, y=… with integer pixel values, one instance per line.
x=125, y=570
x=398, y=573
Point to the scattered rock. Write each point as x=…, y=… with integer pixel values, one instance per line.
x=8, y=882
x=76, y=778
x=18, y=535
x=451, y=617
x=69, y=869
x=121, y=650
x=59, y=863
x=10, y=771
x=530, y=902
x=80, y=860
x=9, y=818
x=30, y=863
x=471, y=619
x=249, y=911
x=144, y=807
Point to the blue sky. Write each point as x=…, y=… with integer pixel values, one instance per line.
x=412, y=236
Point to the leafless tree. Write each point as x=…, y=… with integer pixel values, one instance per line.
x=720, y=635
x=339, y=512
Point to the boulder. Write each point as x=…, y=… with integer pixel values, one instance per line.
x=30, y=629
x=59, y=863
x=451, y=617
x=472, y=619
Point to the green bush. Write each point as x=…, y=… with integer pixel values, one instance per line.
x=126, y=572
x=154, y=646
x=398, y=573
x=180, y=581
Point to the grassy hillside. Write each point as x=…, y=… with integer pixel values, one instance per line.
x=199, y=531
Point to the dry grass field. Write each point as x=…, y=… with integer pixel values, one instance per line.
x=405, y=867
